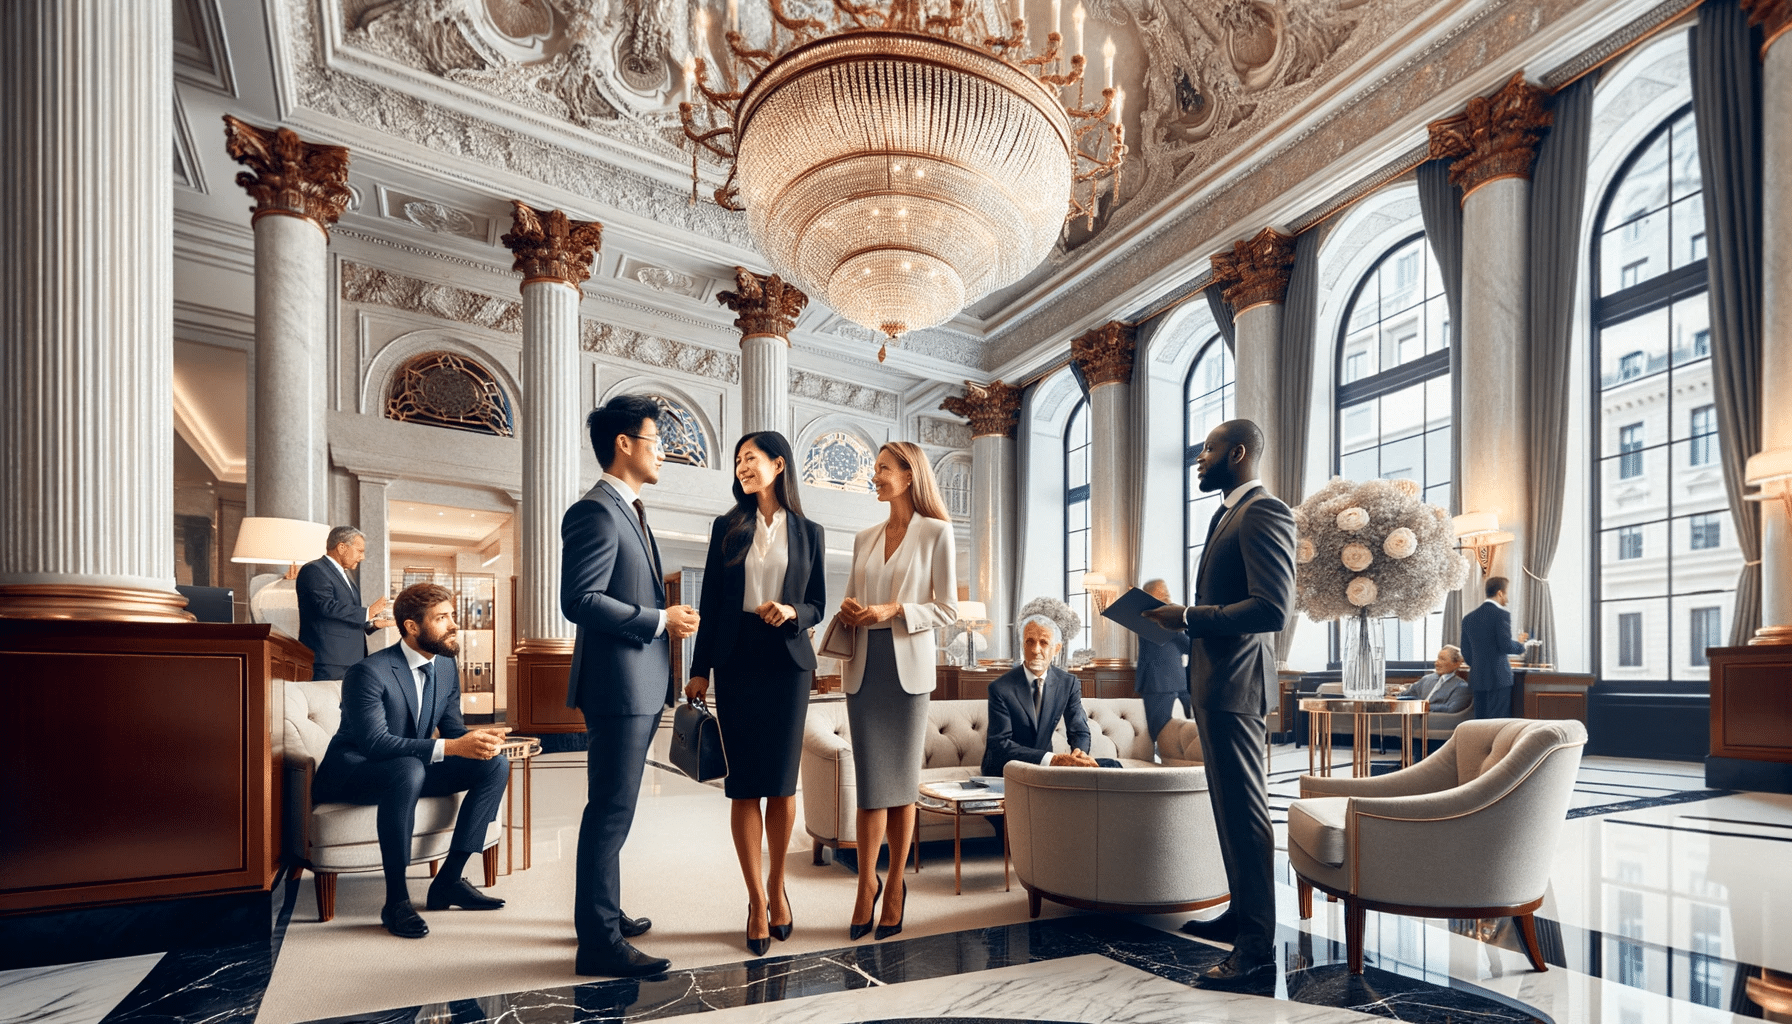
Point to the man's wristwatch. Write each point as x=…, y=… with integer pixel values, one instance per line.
x=369, y=627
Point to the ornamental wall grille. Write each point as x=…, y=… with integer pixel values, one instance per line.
x=441, y=389
x=681, y=434
x=839, y=461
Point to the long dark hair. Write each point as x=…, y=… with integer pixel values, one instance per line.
x=739, y=535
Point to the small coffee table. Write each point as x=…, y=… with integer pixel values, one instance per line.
x=1362, y=712
x=953, y=799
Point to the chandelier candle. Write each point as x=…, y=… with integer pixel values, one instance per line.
x=1107, y=60
x=1076, y=18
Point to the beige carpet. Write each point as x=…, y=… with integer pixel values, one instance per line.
x=678, y=868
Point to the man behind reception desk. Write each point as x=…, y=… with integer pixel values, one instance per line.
x=1486, y=641
x=332, y=620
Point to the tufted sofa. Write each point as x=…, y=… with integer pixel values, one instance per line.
x=956, y=730
x=332, y=839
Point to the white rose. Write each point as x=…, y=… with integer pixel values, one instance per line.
x=1304, y=551
x=1300, y=521
x=1361, y=592
x=1356, y=557
x=1352, y=519
x=1410, y=488
x=1401, y=543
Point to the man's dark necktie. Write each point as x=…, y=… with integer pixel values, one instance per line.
x=641, y=513
x=1038, y=700
x=429, y=696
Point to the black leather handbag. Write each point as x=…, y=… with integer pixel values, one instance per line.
x=697, y=742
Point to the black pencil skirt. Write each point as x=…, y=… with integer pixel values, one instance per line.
x=761, y=700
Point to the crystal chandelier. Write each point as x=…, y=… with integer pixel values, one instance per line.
x=895, y=166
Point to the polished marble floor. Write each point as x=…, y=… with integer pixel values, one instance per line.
x=1665, y=896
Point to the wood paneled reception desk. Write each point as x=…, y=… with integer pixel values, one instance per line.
x=1751, y=718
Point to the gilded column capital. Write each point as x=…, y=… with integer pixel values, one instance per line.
x=1496, y=137
x=1256, y=271
x=550, y=246
x=763, y=306
x=1104, y=354
x=1774, y=17
x=287, y=175
x=994, y=411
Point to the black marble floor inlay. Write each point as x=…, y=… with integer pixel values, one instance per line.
x=1688, y=797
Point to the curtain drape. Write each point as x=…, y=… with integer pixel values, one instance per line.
x=1222, y=316
x=1726, y=99
x=1558, y=195
x=1023, y=497
x=1143, y=565
x=1300, y=313
x=1440, y=205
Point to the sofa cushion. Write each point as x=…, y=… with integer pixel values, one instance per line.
x=957, y=731
x=1317, y=826
x=313, y=714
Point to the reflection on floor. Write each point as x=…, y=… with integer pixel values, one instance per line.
x=1665, y=897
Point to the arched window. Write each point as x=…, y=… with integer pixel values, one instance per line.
x=954, y=473
x=441, y=389
x=680, y=433
x=1393, y=397
x=1666, y=558
x=1209, y=402
x=840, y=461
x=1076, y=522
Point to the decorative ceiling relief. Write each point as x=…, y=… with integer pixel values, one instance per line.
x=362, y=283
x=804, y=384
x=661, y=279
x=623, y=343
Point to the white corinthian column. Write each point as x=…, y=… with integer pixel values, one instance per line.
x=765, y=311
x=994, y=412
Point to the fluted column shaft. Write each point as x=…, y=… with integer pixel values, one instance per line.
x=1776, y=315
x=372, y=519
x=1111, y=458
x=764, y=384
x=1258, y=383
x=86, y=296
x=992, y=535
x=550, y=452
x=292, y=470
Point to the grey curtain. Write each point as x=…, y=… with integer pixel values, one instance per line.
x=1023, y=497
x=1558, y=194
x=1144, y=564
x=1300, y=314
x=1440, y=204
x=1726, y=99
x=1222, y=316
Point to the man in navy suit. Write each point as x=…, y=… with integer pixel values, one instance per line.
x=332, y=620
x=1486, y=641
x=1027, y=702
x=1244, y=590
x=1161, y=679
x=612, y=589
x=392, y=704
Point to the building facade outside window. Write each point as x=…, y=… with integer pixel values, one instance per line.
x=1076, y=523
x=1208, y=401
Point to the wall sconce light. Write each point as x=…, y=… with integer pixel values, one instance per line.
x=1097, y=586
x=1480, y=532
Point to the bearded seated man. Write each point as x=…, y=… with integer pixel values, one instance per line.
x=393, y=702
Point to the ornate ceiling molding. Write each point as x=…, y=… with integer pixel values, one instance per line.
x=821, y=388
x=1256, y=271
x=763, y=306
x=1496, y=137
x=945, y=434
x=994, y=411
x=551, y=246
x=362, y=283
x=288, y=176
x=1104, y=355
x=638, y=347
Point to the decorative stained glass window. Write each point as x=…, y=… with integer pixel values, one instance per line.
x=681, y=434
x=840, y=461
x=441, y=389
x=955, y=486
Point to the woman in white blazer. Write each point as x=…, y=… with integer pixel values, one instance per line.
x=903, y=586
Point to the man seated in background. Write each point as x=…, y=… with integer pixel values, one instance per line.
x=1027, y=702
x=1444, y=687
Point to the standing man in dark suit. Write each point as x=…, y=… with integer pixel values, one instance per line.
x=611, y=587
x=1243, y=592
x=332, y=620
x=1161, y=679
x=392, y=703
x=1027, y=702
x=1486, y=641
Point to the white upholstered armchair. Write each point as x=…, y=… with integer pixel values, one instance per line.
x=1489, y=805
x=333, y=839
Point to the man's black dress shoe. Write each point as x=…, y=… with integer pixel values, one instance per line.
x=635, y=926
x=620, y=961
x=459, y=893
x=1223, y=928
x=1241, y=970
x=402, y=920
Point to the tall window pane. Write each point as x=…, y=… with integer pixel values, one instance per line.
x=1667, y=563
x=1207, y=395
x=1076, y=522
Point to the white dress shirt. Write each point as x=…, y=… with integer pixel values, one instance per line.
x=629, y=497
x=1236, y=494
x=766, y=561
x=417, y=659
x=880, y=576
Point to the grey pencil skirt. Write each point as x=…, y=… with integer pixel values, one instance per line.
x=889, y=727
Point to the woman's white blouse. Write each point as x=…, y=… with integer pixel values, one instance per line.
x=880, y=578
x=766, y=561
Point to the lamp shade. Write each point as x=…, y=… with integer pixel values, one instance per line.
x=267, y=539
x=1091, y=580
x=1468, y=524
x=1771, y=466
x=972, y=611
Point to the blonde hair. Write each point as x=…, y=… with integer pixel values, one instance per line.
x=923, y=490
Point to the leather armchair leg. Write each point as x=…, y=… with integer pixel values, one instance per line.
x=491, y=866
x=326, y=895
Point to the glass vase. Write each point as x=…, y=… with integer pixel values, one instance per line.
x=1365, y=666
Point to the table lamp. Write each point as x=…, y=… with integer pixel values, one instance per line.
x=268, y=539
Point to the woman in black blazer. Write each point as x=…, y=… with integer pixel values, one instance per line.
x=764, y=586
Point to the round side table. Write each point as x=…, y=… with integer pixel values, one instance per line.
x=1362, y=712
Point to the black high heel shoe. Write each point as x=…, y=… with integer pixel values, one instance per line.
x=858, y=930
x=884, y=931
x=782, y=931
x=756, y=946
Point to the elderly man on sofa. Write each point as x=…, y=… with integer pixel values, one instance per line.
x=1027, y=702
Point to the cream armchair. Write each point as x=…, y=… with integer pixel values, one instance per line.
x=1490, y=805
x=1121, y=842
x=333, y=839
